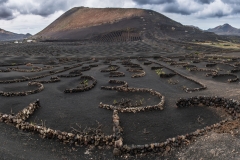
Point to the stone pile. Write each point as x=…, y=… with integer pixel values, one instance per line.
x=24, y=93
x=85, y=88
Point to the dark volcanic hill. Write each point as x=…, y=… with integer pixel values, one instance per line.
x=8, y=36
x=118, y=24
x=225, y=29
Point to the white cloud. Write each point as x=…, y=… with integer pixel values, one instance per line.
x=215, y=9
x=29, y=23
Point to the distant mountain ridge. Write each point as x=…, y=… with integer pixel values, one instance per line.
x=9, y=36
x=225, y=29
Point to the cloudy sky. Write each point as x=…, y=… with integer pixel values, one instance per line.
x=31, y=16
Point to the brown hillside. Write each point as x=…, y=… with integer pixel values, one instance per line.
x=118, y=24
x=80, y=17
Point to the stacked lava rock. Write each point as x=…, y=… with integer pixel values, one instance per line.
x=12, y=94
x=85, y=88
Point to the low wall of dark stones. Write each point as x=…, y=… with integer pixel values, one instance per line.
x=83, y=89
x=211, y=64
x=178, y=63
x=139, y=73
x=38, y=77
x=229, y=80
x=168, y=60
x=130, y=64
x=189, y=66
x=116, y=74
x=156, y=67
x=235, y=70
x=231, y=106
x=111, y=68
x=203, y=69
x=113, y=81
x=125, y=88
x=117, y=134
x=21, y=116
x=147, y=63
x=189, y=90
x=69, y=75
x=6, y=70
x=93, y=65
x=52, y=80
x=141, y=59
x=26, y=70
x=167, y=75
x=196, y=61
x=85, y=68
x=75, y=72
x=97, y=139
x=182, y=59
x=25, y=93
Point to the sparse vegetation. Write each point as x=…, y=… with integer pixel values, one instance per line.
x=141, y=101
x=84, y=83
x=159, y=71
x=220, y=44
